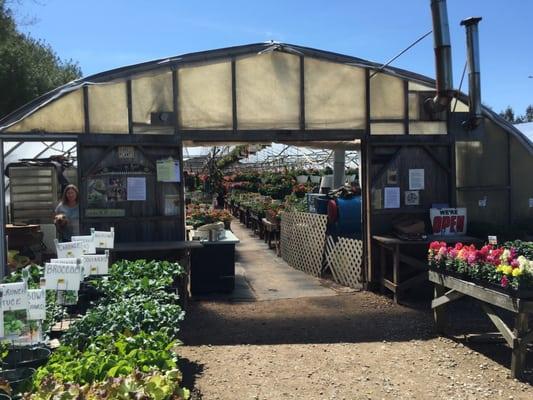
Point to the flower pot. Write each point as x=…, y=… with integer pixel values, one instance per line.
x=315, y=178
x=19, y=379
x=29, y=357
x=302, y=178
x=350, y=178
x=326, y=183
x=227, y=225
x=4, y=396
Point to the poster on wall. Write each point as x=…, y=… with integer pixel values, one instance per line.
x=168, y=170
x=448, y=221
x=136, y=188
x=416, y=179
x=412, y=198
x=391, y=197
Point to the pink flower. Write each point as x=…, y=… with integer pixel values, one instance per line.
x=471, y=259
x=504, y=281
x=458, y=246
x=453, y=253
x=515, y=263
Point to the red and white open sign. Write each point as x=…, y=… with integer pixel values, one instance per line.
x=448, y=221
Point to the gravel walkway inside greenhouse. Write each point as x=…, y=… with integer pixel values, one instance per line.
x=348, y=346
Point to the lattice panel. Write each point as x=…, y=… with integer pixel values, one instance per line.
x=345, y=260
x=302, y=240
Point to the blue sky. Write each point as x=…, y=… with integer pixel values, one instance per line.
x=101, y=35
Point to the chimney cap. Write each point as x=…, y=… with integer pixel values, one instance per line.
x=471, y=21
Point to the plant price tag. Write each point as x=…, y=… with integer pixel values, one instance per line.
x=62, y=276
x=36, y=304
x=96, y=264
x=14, y=296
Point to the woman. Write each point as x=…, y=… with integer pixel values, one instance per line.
x=67, y=218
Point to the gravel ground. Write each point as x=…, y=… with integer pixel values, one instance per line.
x=349, y=346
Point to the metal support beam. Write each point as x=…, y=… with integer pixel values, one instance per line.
x=339, y=161
x=3, y=247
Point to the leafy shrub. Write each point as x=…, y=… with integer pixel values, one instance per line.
x=142, y=312
x=110, y=356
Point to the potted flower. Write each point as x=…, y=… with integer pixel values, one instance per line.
x=301, y=176
x=314, y=175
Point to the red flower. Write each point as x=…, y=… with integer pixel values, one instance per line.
x=458, y=246
x=504, y=281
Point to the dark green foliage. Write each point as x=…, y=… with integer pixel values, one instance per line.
x=28, y=67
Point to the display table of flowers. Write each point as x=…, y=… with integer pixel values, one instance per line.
x=497, y=276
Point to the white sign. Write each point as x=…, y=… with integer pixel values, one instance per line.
x=136, y=190
x=96, y=264
x=416, y=179
x=36, y=304
x=448, y=221
x=168, y=170
x=14, y=296
x=1, y=323
x=69, y=249
x=89, y=245
x=62, y=276
x=103, y=239
x=391, y=197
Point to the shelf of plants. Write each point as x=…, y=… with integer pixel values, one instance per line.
x=506, y=268
x=125, y=342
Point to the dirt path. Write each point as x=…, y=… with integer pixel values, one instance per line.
x=352, y=346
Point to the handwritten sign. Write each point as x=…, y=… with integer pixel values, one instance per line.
x=103, y=239
x=36, y=304
x=69, y=249
x=448, y=221
x=62, y=276
x=14, y=296
x=96, y=264
x=89, y=245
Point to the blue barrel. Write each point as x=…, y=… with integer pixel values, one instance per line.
x=349, y=215
x=321, y=204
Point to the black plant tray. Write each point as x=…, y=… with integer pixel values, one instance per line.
x=30, y=357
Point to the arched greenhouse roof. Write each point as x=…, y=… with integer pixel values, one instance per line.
x=282, y=92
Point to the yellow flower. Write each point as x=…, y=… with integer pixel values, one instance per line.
x=517, y=272
x=507, y=269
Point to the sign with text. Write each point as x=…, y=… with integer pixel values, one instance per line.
x=89, y=245
x=62, y=276
x=103, y=239
x=96, y=264
x=14, y=296
x=448, y=221
x=36, y=304
x=69, y=249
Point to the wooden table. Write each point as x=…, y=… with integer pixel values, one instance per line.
x=448, y=289
x=394, y=245
x=271, y=232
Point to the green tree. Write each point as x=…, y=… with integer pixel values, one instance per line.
x=508, y=114
x=529, y=113
x=28, y=67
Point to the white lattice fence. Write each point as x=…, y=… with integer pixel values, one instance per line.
x=302, y=240
x=344, y=258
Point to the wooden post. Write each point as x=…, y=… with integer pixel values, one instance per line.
x=518, y=359
x=396, y=271
x=382, y=264
x=439, y=312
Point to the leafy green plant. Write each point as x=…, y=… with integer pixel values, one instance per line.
x=155, y=385
x=143, y=312
x=110, y=356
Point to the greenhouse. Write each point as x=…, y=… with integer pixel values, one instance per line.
x=347, y=169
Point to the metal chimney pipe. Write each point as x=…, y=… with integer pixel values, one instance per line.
x=474, y=83
x=443, y=57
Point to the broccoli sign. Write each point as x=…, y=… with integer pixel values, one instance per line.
x=448, y=221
